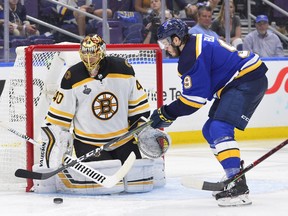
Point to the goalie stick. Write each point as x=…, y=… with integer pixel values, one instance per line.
x=22, y=173
x=191, y=182
x=85, y=170
x=106, y=181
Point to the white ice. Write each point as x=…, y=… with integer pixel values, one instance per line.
x=268, y=183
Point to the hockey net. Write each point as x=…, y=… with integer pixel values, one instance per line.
x=31, y=84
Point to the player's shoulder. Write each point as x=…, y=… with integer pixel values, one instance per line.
x=118, y=65
x=78, y=72
x=77, y=66
x=74, y=74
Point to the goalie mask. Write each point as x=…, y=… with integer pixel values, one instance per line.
x=92, y=51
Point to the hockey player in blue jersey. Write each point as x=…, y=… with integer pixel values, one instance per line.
x=212, y=69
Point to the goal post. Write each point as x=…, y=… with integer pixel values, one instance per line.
x=36, y=73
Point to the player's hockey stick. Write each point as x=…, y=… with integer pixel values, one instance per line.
x=41, y=176
x=22, y=173
x=219, y=186
x=84, y=169
x=107, y=181
x=23, y=136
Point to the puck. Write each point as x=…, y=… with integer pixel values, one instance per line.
x=58, y=200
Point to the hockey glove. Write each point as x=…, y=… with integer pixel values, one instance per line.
x=153, y=143
x=160, y=118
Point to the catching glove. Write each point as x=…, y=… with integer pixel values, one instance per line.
x=160, y=118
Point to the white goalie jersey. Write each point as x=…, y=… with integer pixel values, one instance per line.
x=100, y=108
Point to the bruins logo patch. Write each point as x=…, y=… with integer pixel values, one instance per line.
x=105, y=105
x=67, y=75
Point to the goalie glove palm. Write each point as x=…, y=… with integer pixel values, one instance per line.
x=153, y=143
x=160, y=118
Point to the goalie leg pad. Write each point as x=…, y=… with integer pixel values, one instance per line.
x=140, y=178
x=44, y=186
x=145, y=175
x=72, y=182
x=159, y=177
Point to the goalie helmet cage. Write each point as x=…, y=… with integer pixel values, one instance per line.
x=136, y=54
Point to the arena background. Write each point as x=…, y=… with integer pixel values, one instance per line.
x=270, y=120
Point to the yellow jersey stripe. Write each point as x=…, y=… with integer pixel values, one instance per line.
x=139, y=108
x=99, y=144
x=135, y=102
x=240, y=74
x=227, y=154
x=83, y=82
x=190, y=103
x=58, y=122
x=101, y=136
x=249, y=69
x=63, y=10
x=122, y=76
x=198, y=45
x=60, y=113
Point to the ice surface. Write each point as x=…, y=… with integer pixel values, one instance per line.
x=268, y=183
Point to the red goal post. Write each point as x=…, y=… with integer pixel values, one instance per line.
x=142, y=54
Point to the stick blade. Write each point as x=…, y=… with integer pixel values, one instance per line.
x=22, y=173
x=191, y=182
x=107, y=181
x=194, y=183
x=211, y=186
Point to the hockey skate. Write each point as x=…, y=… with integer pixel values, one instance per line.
x=235, y=195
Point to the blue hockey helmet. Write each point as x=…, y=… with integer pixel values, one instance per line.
x=172, y=27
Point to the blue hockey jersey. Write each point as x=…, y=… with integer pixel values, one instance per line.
x=207, y=66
